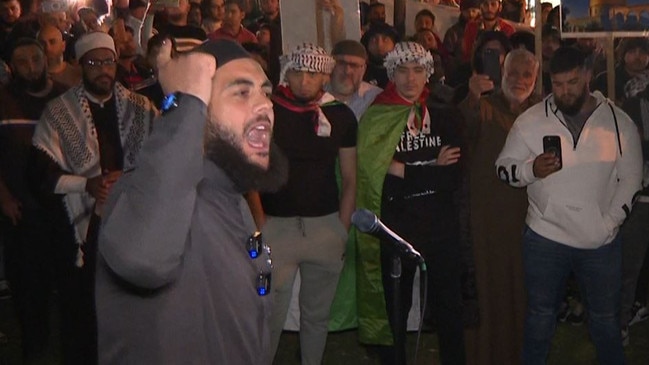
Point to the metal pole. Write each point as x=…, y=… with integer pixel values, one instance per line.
x=538, y=47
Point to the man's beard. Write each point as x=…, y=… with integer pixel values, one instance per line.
x=489, y=16
x=506, y=88
x=575, y=107
x=345, y=88
x=93, y=88
x=222, y=149
x=31, y=86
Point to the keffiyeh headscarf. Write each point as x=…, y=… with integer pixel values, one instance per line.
x=408, y=52
x=637, y=84
x=306, y=57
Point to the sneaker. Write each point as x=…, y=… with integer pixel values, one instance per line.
x=564, y=312
x=625, y=336
x=577, y=314
x=576, y=319
x=639, y=313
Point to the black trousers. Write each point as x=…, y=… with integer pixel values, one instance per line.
x=430, y=224
x=77, y=295
x=28, y=266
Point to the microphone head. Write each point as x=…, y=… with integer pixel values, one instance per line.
x=364, y=220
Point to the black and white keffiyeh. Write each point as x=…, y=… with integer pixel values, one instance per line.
x=404, y=52
x=67, y=134
x=637, y=84
x=306, y=57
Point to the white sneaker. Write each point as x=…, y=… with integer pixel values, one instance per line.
x=639, y=313
x=625, y=336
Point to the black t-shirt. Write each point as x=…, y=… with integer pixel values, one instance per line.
x=311, y=190
x=421, y=207
x=418, y=152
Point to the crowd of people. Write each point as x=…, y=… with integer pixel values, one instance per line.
x=170, y=171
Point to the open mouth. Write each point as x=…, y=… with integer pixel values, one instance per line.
x=258, y=135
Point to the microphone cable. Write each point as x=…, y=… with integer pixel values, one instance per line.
x=423, y=299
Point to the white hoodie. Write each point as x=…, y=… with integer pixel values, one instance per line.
x=583, y=204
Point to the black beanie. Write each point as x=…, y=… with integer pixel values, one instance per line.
x=21, y=42
x=349, y=47
x=224, y=50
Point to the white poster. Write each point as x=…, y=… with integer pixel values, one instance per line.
x=322, y=22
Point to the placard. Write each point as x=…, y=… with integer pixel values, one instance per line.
x=603, y=18
x=298, y=25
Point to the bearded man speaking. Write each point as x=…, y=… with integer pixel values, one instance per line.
x=182, y=275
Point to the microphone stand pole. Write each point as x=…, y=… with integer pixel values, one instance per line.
x=399, y=335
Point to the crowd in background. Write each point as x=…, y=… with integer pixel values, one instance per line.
x=39, y=41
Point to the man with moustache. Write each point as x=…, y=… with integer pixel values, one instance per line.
x=23, y=223
x=307, y=219
x=57, y=68
x=490, y=20
x=346, y=83
x=183, y=276
x=497, y=215
x=85, y=139
x=578, y=199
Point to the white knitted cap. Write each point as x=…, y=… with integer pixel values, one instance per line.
x=93, y=40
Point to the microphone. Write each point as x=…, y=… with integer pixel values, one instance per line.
x=367, y=222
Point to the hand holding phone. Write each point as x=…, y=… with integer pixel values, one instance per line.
x=552, y=145
x=551, y=160
x=491, y=65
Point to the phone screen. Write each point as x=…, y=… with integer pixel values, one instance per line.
x=491, y=65
x=552, y=144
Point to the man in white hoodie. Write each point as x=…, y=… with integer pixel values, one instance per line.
x=578, y=198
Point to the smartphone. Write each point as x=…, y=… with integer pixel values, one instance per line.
x=552, y=144
x=491, y=65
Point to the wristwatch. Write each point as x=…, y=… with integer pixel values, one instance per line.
x=170, y=102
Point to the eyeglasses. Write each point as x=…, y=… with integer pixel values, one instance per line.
x=256, y=247
x=354, y=66
x=100, y=63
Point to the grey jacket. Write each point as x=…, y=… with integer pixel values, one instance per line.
x=175, y=284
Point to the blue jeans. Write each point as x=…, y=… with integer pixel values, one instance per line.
x=599, y=274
